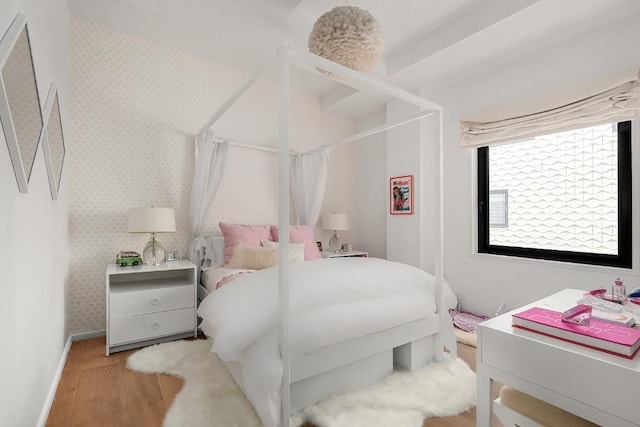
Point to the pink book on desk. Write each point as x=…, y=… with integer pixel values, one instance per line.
x=612, y=338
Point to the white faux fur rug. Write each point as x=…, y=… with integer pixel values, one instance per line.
x=211, y=398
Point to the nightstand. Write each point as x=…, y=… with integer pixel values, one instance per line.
x=356, y=254
x=148, y=304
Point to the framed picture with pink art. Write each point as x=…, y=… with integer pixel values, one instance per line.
x=401, y=195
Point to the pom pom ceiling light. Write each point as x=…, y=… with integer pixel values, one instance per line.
x=349, y=36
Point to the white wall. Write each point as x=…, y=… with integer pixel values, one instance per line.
x=373, y=194
x=33, y=231
x=137, y=104
x=482, y=281
x=406, y=150
x=404, y=158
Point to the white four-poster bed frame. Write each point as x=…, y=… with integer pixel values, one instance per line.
x=316, y=375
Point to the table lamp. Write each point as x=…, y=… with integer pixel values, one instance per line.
x=152, y=220
x=336, y=222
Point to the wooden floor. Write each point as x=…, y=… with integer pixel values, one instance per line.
x=96, y=390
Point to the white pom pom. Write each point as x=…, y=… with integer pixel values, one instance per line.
x=349, y=36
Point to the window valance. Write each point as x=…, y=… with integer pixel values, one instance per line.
x=616, y=104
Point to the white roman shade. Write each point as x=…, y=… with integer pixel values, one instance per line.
x=616, y=104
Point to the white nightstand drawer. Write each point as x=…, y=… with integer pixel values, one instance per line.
x=148, y=326
x=136, y=302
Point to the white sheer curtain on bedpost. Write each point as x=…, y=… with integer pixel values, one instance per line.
x=308, y=182
x=211, y=157
x=283, y=226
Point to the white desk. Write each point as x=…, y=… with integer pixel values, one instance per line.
x=597, y=386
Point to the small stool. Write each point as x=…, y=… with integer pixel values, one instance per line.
x=538, y=411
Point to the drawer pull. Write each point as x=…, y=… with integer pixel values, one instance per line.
x=155, y=325
x=154, y=301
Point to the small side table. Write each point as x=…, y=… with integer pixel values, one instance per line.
x=148, y=304
x=356, y=254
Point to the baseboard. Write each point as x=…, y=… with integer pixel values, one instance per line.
x=54, y=385
x=88, y=335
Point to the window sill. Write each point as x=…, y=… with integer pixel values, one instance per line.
x=617, y=271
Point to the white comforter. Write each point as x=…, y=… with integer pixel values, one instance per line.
x=331, y=300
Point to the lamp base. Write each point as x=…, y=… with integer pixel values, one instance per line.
x=334, y=242
x=153, y=253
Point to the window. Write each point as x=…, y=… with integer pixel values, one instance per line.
x=498, y=208
x=564, y=197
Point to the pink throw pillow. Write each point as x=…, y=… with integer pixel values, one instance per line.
x=299, y=234
x=241, y=234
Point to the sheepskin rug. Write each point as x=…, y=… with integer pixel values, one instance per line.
x=211, y=398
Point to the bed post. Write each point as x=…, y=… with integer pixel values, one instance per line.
x=283, y=229
x=445, y=321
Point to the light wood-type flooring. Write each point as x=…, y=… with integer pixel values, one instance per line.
x=96, y=390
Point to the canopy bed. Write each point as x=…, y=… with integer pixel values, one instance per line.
x=334, y=325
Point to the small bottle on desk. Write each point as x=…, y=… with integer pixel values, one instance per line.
x=618, y=292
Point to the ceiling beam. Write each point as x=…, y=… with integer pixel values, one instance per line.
x=471, y=21
x=335, y=96
x=359, y=81
x=288, y=5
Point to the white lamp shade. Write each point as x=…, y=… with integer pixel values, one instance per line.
x=335, y=221
x=152, y=220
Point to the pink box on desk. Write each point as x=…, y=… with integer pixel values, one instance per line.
x=580, y=314
x=612, y=338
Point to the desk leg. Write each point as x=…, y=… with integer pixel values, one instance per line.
x=484, y=406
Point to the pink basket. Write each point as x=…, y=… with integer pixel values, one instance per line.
x=466, y=321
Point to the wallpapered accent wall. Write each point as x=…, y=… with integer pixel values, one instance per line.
x=135, y=107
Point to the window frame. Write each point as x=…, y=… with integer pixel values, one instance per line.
x=624, y=257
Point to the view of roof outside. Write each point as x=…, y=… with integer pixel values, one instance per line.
x=557, y=192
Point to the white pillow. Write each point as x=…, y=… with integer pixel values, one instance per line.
x=296, y=250
x=210, y=251
x=216, y=245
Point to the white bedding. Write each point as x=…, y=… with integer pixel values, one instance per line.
x=331, y=300
x=212, y=277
